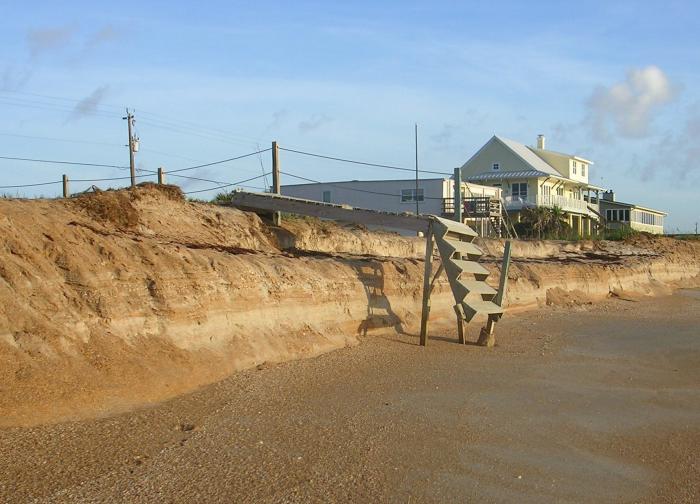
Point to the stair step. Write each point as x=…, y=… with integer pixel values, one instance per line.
x=465, y=287
x=462, y=266
x=444, y=226
x=472, y=308
x=464, y=248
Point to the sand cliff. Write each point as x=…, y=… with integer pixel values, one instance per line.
x=125, y=297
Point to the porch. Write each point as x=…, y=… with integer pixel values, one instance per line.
x=569, y=205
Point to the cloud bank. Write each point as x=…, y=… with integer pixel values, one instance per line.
x=628, y=107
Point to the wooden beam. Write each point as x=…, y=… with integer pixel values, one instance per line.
x=427, y=287
x=278, y=203
x=460, y=324
x=276, y=186
x=486, y=336
x=503, y=281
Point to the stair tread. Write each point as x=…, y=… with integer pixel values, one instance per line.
x=477, y=287
x=487, y=307
x=464, y=247
x=467, y=266
x=453, y=227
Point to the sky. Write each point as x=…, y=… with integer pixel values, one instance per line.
x=614, y=82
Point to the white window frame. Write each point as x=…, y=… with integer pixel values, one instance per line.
x=496, y=167
x=519, y=192
x=411, y=196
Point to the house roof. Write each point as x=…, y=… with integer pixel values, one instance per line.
x=508, y=175
x=631, y=205
x=540, y=167
x=527, y=155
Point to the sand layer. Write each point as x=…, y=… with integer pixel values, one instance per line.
x=585, y=405
x=123, y=298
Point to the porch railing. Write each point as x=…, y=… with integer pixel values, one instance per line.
x=563, y=202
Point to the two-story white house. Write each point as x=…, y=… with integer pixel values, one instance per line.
x=535, y=176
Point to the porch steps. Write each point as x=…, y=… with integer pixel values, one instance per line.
x=472, y=295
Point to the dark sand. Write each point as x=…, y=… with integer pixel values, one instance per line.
x=575, y=405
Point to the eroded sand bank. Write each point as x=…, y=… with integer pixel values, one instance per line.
x=585, y=404
x=130, y=297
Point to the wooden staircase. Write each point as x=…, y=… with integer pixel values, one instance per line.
x=467, y=278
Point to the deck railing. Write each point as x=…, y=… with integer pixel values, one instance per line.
x=549, y=201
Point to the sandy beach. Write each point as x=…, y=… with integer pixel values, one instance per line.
x=595, y=404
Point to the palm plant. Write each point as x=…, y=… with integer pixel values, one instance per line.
x=541, y=222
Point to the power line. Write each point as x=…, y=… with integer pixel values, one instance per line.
x=227, y=185
x=69, y=140
x=220, y=162
x=393, y=195
x=30, y=185
x=376, y=165
x=171, y=122
x=51, y=161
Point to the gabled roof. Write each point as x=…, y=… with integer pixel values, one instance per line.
x=526, y=154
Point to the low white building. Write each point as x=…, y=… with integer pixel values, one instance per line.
x=434, y=195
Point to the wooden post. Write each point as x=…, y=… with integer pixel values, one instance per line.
x=161, y=175
x=458, y=195
x=66, y=192
x=460, y=324
x=425, y=312
x=486, y=337
x=276, y=216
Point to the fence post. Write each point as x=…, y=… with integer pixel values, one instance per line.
x=66, y=192
x=458, y=194
x=161, y=175
x=276, y=216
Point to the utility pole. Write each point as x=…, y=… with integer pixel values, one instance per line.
x=130, y=122
x=416, y=135
x=276, y=189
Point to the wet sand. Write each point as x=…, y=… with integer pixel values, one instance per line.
x=595, y=404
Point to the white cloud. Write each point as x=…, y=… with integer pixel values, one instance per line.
x=676, y=153
x=628, y=107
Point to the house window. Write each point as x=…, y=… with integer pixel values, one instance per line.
x=608, y=215
x=583, y=170
x=408, y=195
x=326, y=196
x=560, y=191
x=546, y=191
x=573, y=170
x=519, y=190
x=627, y=216
x=496, y=166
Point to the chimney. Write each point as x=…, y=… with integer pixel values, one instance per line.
x=609, y=195
x=540, y=142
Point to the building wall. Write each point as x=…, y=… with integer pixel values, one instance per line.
x=638, y=219
x=382, y=195
x=494, y=152
x=565, y=165
x=386, y=194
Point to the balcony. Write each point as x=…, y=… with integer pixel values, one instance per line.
x=566, y=204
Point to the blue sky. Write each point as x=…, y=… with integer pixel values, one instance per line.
x=615, y=82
